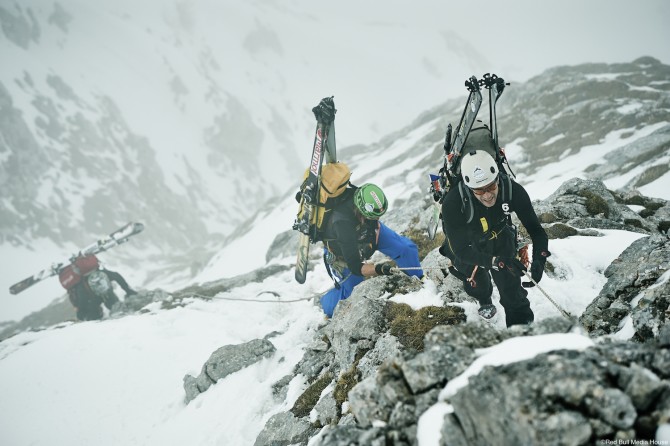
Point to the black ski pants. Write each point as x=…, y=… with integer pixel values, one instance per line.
x=513, y=297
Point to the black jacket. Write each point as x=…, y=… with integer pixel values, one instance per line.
x=488, y=234
x=349, y=236
x=82, y=291
x=118, y=278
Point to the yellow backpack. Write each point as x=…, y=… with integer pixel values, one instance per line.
x=334, y=180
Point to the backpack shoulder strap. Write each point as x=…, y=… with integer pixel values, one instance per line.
x=506, y=184
x=466, y=198
x=466, y=195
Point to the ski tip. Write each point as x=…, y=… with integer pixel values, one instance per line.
x=300, y=278
x=138, y=227
x=16, y=289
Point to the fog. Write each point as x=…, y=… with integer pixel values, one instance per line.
x=515, y=39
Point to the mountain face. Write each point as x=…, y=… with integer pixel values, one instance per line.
x=173, y=111
x=189, y=116
x=601, y=121
x=382, y=372
x=186, y=116
x=568, y=108
x=389, y=368
x=97, y=132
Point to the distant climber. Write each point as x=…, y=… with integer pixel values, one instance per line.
x=89, y=286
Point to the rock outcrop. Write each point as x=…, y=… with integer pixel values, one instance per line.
x=224, y=361
x=371, y=380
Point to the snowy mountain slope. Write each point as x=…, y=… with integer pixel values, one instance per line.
x=617, y=134
x=401, y=161
x=571, y=110
x=129, y=370
x=89, y=375
x=199, y=98
x=173, y=113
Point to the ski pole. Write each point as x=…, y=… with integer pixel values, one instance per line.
x=563, y=312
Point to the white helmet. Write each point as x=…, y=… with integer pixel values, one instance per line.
x=478, y=169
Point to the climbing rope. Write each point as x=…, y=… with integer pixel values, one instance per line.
x=257, y=300
x=410, y=268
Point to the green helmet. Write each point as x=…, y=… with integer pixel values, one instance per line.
x=370, y=201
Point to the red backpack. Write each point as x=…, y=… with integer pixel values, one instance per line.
x=72, y=274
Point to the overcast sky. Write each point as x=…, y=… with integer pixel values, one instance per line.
x=435, y=45
x=386, y=62
x=523, y=37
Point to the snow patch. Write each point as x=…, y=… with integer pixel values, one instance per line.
x=553, y=139
x=548, y=178
x=515, y=350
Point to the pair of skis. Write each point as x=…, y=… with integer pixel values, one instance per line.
x=116, y=238
x=324, y=147
x=453, y=146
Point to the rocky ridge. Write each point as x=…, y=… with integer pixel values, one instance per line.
x=377, y=366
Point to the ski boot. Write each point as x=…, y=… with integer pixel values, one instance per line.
x=487, y=311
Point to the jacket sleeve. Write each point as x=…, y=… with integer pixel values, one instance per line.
x=457, y=235
x=523, y=208
x=346, y=238
x=118, y=278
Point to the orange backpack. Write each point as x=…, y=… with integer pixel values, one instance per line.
x=333, y=182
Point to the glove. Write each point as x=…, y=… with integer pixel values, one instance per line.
x=384, y=269
x=537, y=268
x=511, y=263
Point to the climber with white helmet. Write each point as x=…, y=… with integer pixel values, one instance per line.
x=481, y=239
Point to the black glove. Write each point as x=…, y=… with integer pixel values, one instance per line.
x=537, y=267
x=384, y=269
x=511, y=263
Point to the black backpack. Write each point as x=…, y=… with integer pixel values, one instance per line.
x=472, y=134
x=480, y=138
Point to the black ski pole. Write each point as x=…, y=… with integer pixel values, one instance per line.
x=560, y=309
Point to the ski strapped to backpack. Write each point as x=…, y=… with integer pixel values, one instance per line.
x=84, y=261
x=472, y=134
x=307, y=222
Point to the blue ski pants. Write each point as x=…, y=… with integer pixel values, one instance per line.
x=400, y=249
